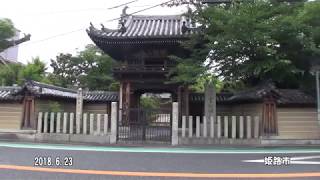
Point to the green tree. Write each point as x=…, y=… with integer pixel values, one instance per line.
x=150, y=102
x=10, y=74
x=34, y=70
x=7, y=31
x=99, y=76
x=253, y=41
x=17, y=73
x=89, y=68
x=65, y=70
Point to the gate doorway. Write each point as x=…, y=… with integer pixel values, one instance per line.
x=147, y=119
x=141, y=125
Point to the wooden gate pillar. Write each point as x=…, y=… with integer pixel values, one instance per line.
x=269, y=125
x=128, y=94
x=28, y=118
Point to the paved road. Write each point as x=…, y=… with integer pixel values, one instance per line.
x=17, y=161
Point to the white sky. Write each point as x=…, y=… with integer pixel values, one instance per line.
x=44, y=19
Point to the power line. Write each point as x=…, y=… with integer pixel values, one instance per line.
x=79, y=10
x=151, y=7
x=123, y=4
x=110, y=20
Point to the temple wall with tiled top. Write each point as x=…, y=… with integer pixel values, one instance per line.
x=96, y=108
x=254, y=109
x=42, y=105
x=298, y=123
x=10, y=116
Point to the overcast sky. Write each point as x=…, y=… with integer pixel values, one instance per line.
x=44, y=19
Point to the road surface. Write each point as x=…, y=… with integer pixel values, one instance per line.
x=30, y=161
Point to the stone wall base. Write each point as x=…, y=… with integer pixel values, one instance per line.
x=215, y=141
x=77, y=138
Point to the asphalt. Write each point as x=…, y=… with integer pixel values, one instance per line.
x=130, y=159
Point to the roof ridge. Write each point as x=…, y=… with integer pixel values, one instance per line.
x=10, y=87
x=50, y=86
x=100, y=92
x=158, y=16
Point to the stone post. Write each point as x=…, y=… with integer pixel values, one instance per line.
x=65, y=119
x=105, y=124
x=241, y=127
x=113, y=136
x=85, y=123
x=183, y=126
x=71, y=123
x=91, y=128
x=256, y=127
x=79, y=109
x=51, y=122
x=175, y=118
x=211, y=127
x=205, y=129
x=58, y=126
x=234, y=127
x=98, y=124
x=219, y=126
x=78, y=124
x=210, y=102
x=120, y=102
x=40, y=122
x=248, y=127
x=226, y=127
x=190, y=128
x=45, y=128
x=197, y=126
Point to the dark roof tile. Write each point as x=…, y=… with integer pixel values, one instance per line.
x=141, y=26
x=294, y=96
x=8, y=93
x=101, y=96
x=221, y=97
x=47, y=90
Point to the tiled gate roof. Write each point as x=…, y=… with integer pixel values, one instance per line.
x=138, y=27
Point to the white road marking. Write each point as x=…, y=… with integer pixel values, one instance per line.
x=293, y=160
x=305, y=157
x=305, y=162
x=255, y=161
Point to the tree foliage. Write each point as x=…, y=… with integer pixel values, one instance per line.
x=34, y=70
x=7, y=31
x=253, y=41
x=89, y=68
x=10, y=74
x=17, y=73
x=150, y=102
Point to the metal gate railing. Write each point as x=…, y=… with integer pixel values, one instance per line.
x=145, y=125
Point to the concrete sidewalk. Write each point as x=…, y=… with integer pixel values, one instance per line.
x=32, y=137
